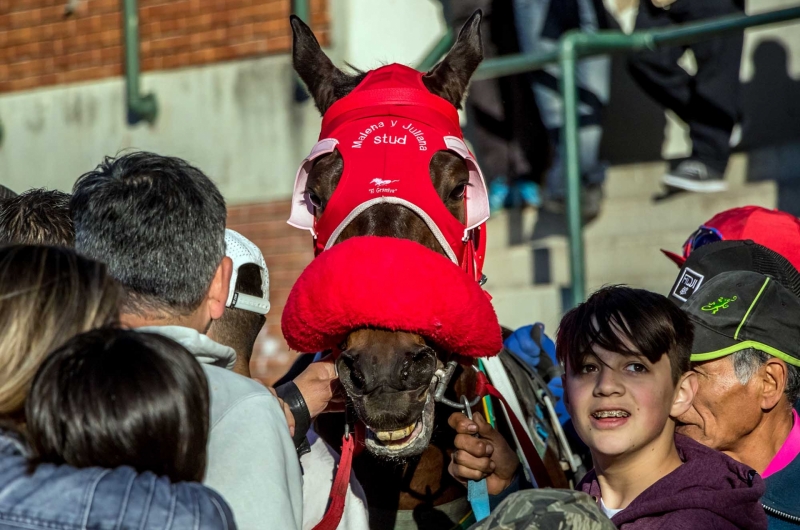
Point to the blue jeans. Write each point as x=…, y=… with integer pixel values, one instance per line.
x=539, y=28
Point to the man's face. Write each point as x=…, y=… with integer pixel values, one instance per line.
x=724, y=410
x=619, y=404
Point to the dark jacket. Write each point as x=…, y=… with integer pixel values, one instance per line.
x=64, y=498
x=709, y=491
x=782, y=498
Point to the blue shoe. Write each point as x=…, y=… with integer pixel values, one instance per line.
x=529, y=191
x=498, y=194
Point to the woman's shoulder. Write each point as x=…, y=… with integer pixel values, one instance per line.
x=65, y=497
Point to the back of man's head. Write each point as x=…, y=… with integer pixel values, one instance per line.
x=36, y=217
x=159, y=225
x=239, y=328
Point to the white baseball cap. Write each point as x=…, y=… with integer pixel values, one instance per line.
x=242, y=251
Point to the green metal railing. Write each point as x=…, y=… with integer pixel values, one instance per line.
x=140, y=107
x=575, y=45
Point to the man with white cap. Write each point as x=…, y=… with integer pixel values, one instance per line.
x=248, y=300
x=306, y=396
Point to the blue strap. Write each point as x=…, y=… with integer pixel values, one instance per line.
x=478, y=497
x=477, y=492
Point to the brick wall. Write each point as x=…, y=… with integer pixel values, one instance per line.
x=40, y=45
x=287, y=251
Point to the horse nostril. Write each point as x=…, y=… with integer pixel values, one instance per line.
x=417, y=368
x=349, y=370
x=423, y=355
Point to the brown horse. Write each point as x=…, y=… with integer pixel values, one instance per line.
x=389, y=376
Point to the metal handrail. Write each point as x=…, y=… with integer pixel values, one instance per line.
x=140, y=107
x=575, y=45
x=438, y=51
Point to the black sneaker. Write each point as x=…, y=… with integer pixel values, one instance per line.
x=691, y=175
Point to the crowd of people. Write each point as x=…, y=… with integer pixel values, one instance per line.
x=686, y=402
x=88, y=438
x=129, y=314
x=515, y=122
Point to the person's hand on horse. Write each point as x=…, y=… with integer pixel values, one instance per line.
x=486, y=456
x=319, y=384
x=528, y=346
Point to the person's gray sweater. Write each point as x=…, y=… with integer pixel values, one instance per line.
x=251, y=457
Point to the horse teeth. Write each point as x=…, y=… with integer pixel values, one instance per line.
x=388, y=436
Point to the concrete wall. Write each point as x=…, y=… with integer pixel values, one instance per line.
x=235, y=120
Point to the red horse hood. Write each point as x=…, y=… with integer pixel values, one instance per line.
x=387, y=130
x=393, y=284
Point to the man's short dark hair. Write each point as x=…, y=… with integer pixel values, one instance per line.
x=650, y=322
x=36, y=217
x=158, y=223
x=239, y=328
x=113, y=397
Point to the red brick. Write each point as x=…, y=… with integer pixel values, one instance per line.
x=113, y=55
x=40, y=46
x=24, y=83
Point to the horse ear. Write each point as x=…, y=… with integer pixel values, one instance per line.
x=325, y=82
x=450, y=78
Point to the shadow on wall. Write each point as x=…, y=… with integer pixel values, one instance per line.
x=633, y=124
x=770, y=105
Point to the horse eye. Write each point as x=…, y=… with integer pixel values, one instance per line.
x=458, y=192
x=314, y=198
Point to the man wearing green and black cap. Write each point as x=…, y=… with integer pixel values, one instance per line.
x=746, y=353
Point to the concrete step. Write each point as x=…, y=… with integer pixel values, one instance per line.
x=630, y=192
x=609, y=258
x=623, y=242
x=633, y=215
x=517, y=307
x=644, y=180
x=527, y=259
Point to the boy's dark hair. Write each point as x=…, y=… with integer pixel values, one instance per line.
x=36, y=217
x=650, y=322
x=6, y=193
x=159, y=225
x=238, y=328
x=112, y=397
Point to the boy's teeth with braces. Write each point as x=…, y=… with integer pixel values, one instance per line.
x=611, y=414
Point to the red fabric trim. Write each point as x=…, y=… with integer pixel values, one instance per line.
x=392, y=284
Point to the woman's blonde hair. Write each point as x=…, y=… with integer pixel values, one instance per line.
x=47, y=296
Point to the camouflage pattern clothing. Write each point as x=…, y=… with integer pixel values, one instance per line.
x=546, y=509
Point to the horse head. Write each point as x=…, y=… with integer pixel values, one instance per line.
x=389, y=375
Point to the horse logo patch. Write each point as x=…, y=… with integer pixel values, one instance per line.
x=689, y=282
x=381, y=182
